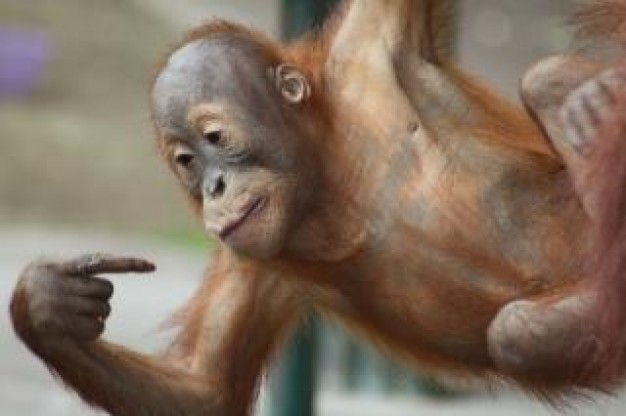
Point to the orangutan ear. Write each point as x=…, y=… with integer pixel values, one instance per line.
x=291, y=83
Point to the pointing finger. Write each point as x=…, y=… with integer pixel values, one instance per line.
x=91, y=264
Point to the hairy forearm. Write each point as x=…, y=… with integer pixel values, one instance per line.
x=124, y=382
x=228, y=331
x=103, y=374
x=414, y=27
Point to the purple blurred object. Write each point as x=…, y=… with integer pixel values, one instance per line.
x=24, y=54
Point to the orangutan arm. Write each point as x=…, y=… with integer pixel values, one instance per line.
x=231, y=326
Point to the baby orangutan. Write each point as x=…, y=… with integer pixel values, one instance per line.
x=359, y=173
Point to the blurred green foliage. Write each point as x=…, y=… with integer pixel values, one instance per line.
x=188, y=239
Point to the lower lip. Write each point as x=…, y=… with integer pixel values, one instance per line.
x=256, y=207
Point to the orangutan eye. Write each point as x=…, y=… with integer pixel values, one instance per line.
x=184, y=159
x=215, y=136
x=186, y=166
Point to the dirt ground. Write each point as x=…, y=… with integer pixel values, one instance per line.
x=79, y=150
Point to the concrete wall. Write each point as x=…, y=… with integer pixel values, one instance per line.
x=499, y=39
x=182, y=14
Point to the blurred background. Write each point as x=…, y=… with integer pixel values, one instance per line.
x=79, y=172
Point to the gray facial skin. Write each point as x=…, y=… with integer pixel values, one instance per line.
x=227, y=71
x=255, y=151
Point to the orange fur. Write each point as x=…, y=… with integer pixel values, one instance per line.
x=605, y=19
x=604, y=185
x=430, y=214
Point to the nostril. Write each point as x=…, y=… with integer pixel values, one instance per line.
x=218, y=188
